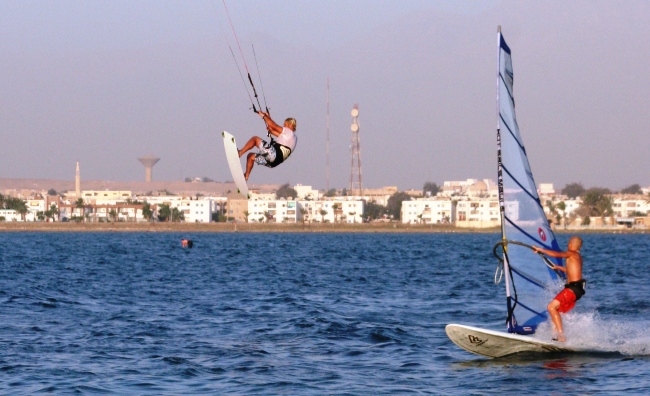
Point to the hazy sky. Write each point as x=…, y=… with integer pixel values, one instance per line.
x=105, y=82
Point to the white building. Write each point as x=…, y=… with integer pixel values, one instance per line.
x=470, y=187
x=427, y=211
x=91, y=196
x=306, y=193
x=195, y=210
x=339, y=210
x=478, y=213
x=377, y=195
x=546, y=190
x=100, y=208
x=12, y=215
x=277, y=210
x=288, y=211
x=630, y=206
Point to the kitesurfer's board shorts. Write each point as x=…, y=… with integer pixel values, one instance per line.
x=268, y=154
x=567, y=299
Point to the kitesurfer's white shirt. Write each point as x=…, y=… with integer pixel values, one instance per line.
x=287, y=138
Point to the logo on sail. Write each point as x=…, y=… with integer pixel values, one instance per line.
x=542, y=234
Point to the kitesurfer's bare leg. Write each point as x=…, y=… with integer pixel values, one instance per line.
x=557, y=319
x=255, y=141
x=250, y=161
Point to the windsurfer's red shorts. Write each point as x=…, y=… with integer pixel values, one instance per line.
x=567, y=299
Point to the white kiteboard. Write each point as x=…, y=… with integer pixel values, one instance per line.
x=235, y=165
x=494, y=344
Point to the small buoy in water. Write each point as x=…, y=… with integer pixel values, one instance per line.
x=187, y=243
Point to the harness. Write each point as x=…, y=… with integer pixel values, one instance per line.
x=282, y=152
x=577, y=287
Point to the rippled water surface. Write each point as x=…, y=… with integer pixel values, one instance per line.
x=357, y=314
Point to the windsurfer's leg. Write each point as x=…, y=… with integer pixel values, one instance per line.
x=253, y=142
x=250, y=161
x=553, y=307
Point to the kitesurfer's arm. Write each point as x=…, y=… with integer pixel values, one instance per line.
x=273, y=128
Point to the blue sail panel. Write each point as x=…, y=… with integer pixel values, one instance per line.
x=523, y=218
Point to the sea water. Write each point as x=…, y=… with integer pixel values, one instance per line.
x=304, y=313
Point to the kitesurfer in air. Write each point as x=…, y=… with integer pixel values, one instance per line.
x=283, y=142
x=575, y=287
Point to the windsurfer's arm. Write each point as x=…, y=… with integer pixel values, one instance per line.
x=551, y=253
x=273, y=128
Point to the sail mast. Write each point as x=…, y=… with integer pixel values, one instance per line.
x=510, y=321
x=499, y=164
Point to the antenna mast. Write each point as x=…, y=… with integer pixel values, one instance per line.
x=356, y=154
x=328, y=135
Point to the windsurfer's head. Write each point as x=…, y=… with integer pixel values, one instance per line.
x=290, y=123
x=575, y=243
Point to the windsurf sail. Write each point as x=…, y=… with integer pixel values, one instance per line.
x=523, y=220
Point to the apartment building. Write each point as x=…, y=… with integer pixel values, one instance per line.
x=277, y=210
x=291, y=211
x=479, y=213
x=427, y=211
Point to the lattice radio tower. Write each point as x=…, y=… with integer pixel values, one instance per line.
x=355, y=149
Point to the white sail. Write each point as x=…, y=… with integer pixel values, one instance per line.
x=522, y=215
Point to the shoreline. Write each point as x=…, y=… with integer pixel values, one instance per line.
x=234, y=227
x=274, y=227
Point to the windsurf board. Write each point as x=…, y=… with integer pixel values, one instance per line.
x=495, y=344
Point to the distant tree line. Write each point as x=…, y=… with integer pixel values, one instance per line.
x=575, y=190
x=596, y=201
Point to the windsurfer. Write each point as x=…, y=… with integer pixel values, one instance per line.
x=283, y=142
x=573, y=290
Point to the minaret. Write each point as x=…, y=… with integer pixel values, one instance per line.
x=77, y=182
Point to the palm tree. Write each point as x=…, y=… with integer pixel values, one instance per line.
x=352, y=214
x=562, y=206
x=552, y=211
x=454, y=205
x=79, y=204
x=164, y=212
x=267, y=216
x=21, y=207
x=572, y=217
x=147, y=213
x=246, y=214
x=55, y=212
x=322, y=214
x=177, y=215
x=113, y=215
x=604, y=207
x=303, y=213
x=335, y=207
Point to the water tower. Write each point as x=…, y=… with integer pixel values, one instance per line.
x=149, y=161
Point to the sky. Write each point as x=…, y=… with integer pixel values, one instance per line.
x=106, y=82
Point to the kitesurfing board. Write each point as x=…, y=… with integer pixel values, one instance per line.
x=236, y=170
x=494, y=344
